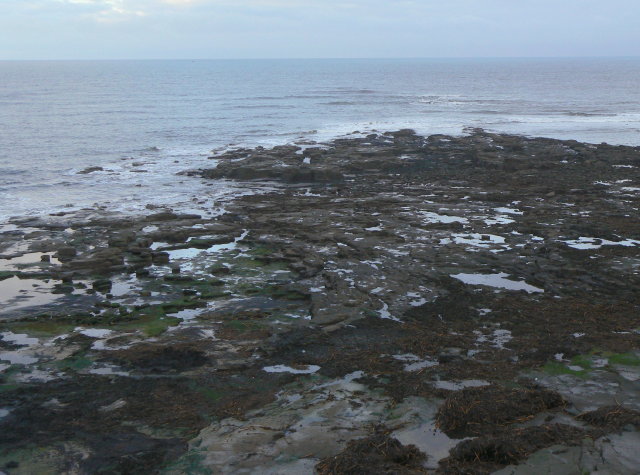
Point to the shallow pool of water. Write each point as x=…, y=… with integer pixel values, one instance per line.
x=496, y=280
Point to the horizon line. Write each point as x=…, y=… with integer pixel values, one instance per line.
x=326, y=58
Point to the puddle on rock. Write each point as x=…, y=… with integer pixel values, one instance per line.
x=36, y=376
x=435, y=443
x=108, y=370
x=26, y=260
x=513, y=211
x=192, y=252
x=457, y=386
x=18, y=357
x=500, y=219
x=416, y=299
x=415, y=363
x=16, y=293
x=94, y=332
x=496, y=280
x=102, y=345
x=433, y=218
x=476, y=240
x=187, y=314
x=589, y=243
x=384, y=313
x=120, y=288
x=497, y=339
x=19, y=339
x=308, y=369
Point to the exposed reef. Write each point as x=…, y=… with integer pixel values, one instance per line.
x=390, y=303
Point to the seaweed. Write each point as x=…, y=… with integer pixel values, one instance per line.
x=611, y=418
x=378, y=454
x=487, y=454
x=474, y=411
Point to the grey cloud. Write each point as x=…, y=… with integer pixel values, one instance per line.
x=316, y=28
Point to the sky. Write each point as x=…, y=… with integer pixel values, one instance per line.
x=195, y=29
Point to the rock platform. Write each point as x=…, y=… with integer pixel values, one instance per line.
x=470, y=304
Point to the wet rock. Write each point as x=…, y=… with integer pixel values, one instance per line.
x=114, y=406
x=612, y=454
x=142, y=243
x=287, y=175
x=162, y=216
x=307, y=268
x=141, y=252
x=90, y=170
x=403, y=133
x=161, y=359
x=63, y=289
x=160, y=258
x=133, y=453
x=291, y=433
x=66, y=252
x=205, y=243
x=335, y=306
x=450, y=354
x=102, y=285
x=219, y=270
x=99, y=261
x=121, y=239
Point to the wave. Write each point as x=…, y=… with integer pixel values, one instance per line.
x=296, y=133
x=283, y=97
x=310, y=96
x=342, y=103
x=363, y=91
x=13, y=171
x=588, y=114
x=439, y=99
x=258, y=131
x=263, y=106
x=460, y=99
x=485, y=112
x=347, y=90
x=115, y=112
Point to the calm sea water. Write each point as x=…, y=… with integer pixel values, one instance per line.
x=144, y=121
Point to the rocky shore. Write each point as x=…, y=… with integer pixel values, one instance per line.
x=388, y=303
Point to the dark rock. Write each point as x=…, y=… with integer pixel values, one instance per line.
x=102, y=285
x=121, y=239
x=90, y=170
x=159, y=359
x=160, y=258
x=219, y=270
x=66, y=252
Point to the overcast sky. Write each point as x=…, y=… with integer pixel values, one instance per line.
x=106, y=29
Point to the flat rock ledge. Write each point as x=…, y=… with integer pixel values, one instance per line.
x=388, y=303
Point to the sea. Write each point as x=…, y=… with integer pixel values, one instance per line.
x=145, y=122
